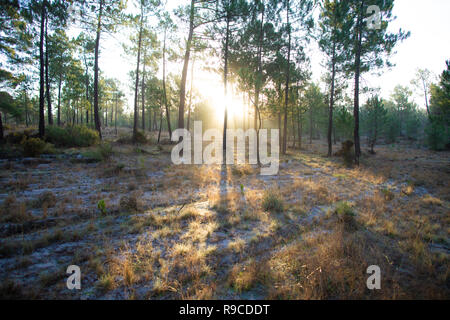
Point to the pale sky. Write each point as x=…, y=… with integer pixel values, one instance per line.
x=427, y=47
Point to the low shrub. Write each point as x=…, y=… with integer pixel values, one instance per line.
x=140, y=137
x=33, y=147
x=76, y=136
x=129, y=203
x=272, y=201
x=47, y=198
x=103, y=152
x=346, y=215
x=347, y=153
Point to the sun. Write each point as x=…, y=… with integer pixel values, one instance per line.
x=214, y=92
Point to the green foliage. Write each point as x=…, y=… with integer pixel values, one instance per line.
x=345, y=215
x=344, y=123
x=272, y=201
x=373, y=116
x=101, y=205
x=438, y=129
x=347, y=153
x=105, y=150
x=140, y=137
x=437, y=135
x=76, y=136
x=33, y=147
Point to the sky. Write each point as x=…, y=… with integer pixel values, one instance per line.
x=427, y=47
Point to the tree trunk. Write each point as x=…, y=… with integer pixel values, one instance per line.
x=310, y=124
x=185, y=67
x=97, y=44
x=1, y=127
x=47, y=81
x=165, y=91
x=225, y=83
x=87, y=89
x=330, y=114
x=26, y=109
x=299, y=131
x=426, y=97
x=115, y=114
x=41, y=75
x=286, y=98
x=135, y=122
x=190, y=95
x=357, y=74
x=143, y=93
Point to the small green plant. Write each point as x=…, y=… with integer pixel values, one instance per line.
x=242, y=189
x=346, y=215
x=272, y=201
x=101, y=205
x=388, y=194
x=139, y=137
x=105, y=150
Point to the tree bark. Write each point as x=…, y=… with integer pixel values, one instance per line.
x=135, y=122
x=1, y=127
x=330, y=114
x=286, y=98
x=190, y=95
x=143, y=93
x=97, y=44
x=47, y=80
x=185, y=67
x=165, y=91
x=357, y=75
x=225, y=83
x=59, y=100
x=41, y=75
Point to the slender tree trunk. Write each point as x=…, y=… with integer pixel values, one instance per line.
x=41, y=75
x=426, y=98
x=185, y=67
x=286, y=98
x=310, y=124
x=160, y=125
x=143, y=92
x=97, y=45
x=357, y=74
x=299, y=130
x=1, y=127
x=258, y=82
x=165, y=90
x=190, y=95
x=47, y=81
x=135, y=122
x=115, y=114
x=26, y=109
x=293, y=129
x=225, y=83
x=87, y=89
x=330, y=114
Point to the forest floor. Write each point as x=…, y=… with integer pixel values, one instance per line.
x=225, y=232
